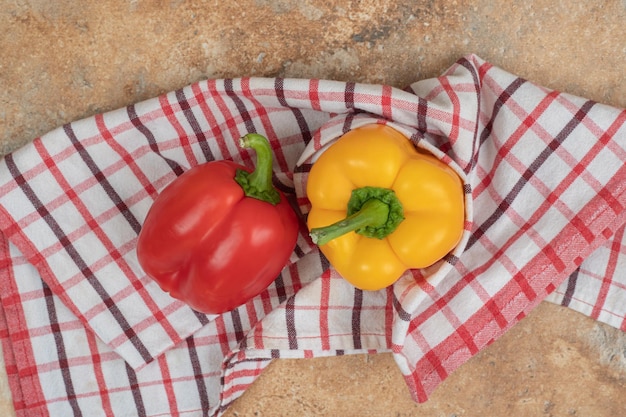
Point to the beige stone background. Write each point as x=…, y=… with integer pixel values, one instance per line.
x=64, y=60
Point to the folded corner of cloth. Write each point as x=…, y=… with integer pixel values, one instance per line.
x=84, y=329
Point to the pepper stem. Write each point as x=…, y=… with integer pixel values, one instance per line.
x=258, y=183
x=373, y=213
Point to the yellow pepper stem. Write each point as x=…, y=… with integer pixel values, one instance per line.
x=372, y=212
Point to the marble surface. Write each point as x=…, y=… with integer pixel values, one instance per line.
x=65, y=60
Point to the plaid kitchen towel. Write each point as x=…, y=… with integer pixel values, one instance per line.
x=85, y=332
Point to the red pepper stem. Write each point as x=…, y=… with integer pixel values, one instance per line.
x=258, y=183
x=373, y=213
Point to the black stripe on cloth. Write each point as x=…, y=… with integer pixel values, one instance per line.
x=571, y=288
x=202, y=318
x=239, y=104
x=400, y=311
x=356, y=318
x=477, y=84
x=279, y=283
x=135, y=390
x=497, y=106
x=347, y=123
x=529, y=173
x=324, y=261
x=290, y=320
x=451, y=259
x=422, y=111
x=193, y=122
x=143, y=129
x=299, y=251
x=102, y=180
x=64, y=366
x=305, y=130
x=198, y=375
x=77, y=258
x=305, y=167
x=289, y=190
x=348, y=95
x=237, y=327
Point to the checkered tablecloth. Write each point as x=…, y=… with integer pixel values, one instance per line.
x=85, y=332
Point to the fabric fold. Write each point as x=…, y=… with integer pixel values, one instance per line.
x=87, y=332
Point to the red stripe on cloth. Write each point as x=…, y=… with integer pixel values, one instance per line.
x=167, y=385
x=483, y=69
x=453, y=135
x=245, y=373
x=96, y=361
x=616, y=251
x=389, y=317
x=200, y=96
x=385, y=102
x=525, y=286
x=21, y=367
x=222, y=334
x=266, y=301
x=437, y=117
x=129, y=159
x=170, y=115
x=258, y=330
x=200, y=137
x=229, y=126
x=496, y=313
x=248, y=370
x=314, y=97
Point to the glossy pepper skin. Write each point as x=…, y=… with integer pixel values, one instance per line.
x=213, y=243
x=380, y=206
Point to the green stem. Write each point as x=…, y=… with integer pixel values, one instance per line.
x=373, y=213
x=258, y=183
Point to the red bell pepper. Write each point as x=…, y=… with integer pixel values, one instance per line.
x=219, y=234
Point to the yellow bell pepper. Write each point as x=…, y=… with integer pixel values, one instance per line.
x=379, y=206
